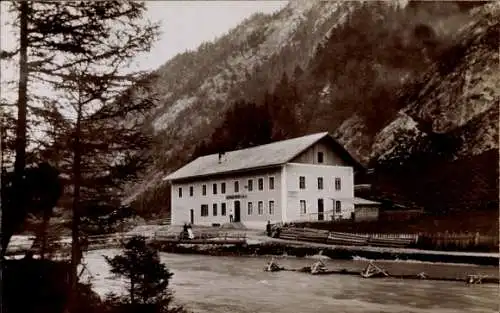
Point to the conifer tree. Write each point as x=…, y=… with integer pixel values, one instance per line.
x=147, y=279
x=81, y=50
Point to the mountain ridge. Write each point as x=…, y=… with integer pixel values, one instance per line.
x=314, y=52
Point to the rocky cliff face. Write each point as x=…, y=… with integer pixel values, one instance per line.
x=396, y=83
x=445, y=138
x=459, y=94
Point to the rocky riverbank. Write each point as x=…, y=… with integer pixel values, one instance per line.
x=333, y=252
x=441, y=267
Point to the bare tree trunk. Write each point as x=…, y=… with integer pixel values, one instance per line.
x=22, y=101
x=132, y=291
x=75, y=243
x=43, y=234
x=1, y=216
x=20, y=161
x=3, y=138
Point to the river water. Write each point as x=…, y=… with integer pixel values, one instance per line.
x=239, y=284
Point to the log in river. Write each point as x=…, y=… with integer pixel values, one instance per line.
x=469, y=279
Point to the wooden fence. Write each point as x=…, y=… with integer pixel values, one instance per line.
x=349, y=239
x=439, y=241
x=158, y=236
x=116, y=240
x=161, y=221
x=458, y=241
x=304, y=234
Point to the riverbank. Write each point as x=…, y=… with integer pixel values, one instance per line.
x=256, y=243
x=399, y=266
x=260, y=245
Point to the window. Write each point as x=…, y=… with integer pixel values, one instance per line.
x=214, y=206
x=271, y=207
x=338, y=207
x=223, y=209
x=320, y=183
x=223, y=188
x=191, y=191
x=261, y=183
x=320, y=157
x=236, y=186
x=250, y=185
x=250, y=208
x=321, y=210
x=214, y=188
x=271, y=183
x=204, y=190
x=204, y=210
x=303, y=207
x=338, y=186
x=180, y=192
x=302, y=182
x=261, y=208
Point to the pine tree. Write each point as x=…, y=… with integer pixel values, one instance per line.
x=54, y=36
x=147, y=279
x=81, y=50
x=7, y=135
x=283, y=104
x=105, y=150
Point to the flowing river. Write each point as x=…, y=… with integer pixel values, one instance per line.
x=239, y=284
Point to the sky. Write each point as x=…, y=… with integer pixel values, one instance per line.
x=184, y=26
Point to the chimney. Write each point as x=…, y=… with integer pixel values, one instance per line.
x=221, y=154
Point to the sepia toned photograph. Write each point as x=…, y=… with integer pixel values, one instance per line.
x=249, y=156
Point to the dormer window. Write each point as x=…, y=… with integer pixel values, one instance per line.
x=320, y=157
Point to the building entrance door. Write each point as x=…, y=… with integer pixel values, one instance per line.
x=236, y=211
x=321, y=210
x=192, y=216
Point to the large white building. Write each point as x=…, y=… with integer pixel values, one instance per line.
x=305, y=178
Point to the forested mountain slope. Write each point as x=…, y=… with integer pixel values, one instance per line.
x=407, y=87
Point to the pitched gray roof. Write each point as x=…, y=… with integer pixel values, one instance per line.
x=268, y=155
x=362, y=201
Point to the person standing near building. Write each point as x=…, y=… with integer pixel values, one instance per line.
x=190, y=232
x=268, y=228
x=231, y=216
x=184, y=233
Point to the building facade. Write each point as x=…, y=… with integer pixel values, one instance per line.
x=305, y=178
